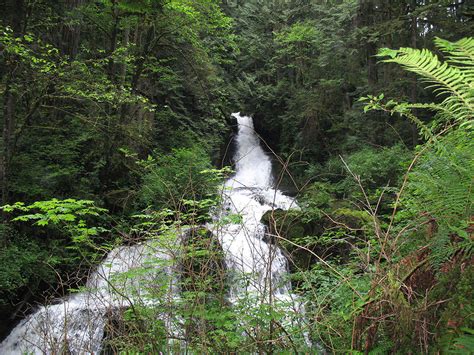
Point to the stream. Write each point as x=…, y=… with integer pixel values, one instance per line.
x=77, y=323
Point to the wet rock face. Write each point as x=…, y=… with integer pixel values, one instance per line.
x=286, y=229
x=228, y=146
x=7, y=314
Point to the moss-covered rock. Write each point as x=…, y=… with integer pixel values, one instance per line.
x=307, y=235
x=202, y=265
x=292, y=233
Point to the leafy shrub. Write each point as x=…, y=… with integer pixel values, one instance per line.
x=23, y=265
x=405, y=286
x=376, y=167
x=40, y=253
x=185, y=174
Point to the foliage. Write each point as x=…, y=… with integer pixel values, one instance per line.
x=177, y=179
x=440, y=187
x=69, y=214
x=31, y=262
x=25, y=265
x=451, y=79
x=456, y=319
x=91, y=88
x=377, y=168
x=403, y=265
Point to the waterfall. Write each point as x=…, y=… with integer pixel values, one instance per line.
x=257, y=269
x=256, y=266
x=77, y=324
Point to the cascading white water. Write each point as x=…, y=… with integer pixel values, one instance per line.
x=76, y=324
x=259, y=266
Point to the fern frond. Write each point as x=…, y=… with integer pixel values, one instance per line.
x=453, y=79
x=460, y=52
x=445, y=79
x=441, y=186
x=463, y=344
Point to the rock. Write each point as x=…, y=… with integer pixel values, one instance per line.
x=202, y=265
x=287, y=229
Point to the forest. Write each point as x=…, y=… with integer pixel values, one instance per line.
x=236, y=176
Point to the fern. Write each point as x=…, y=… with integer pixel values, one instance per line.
x=441, y=248
x=441, y=186
x=460, y=52
x=453, y=78
x=463, y=344
x=384, y=346
x=441, y=183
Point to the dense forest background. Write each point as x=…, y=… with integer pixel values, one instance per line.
x=124, y=102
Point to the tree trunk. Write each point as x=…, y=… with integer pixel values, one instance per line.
x=123, y=66
x=71, y=34
x=113, y=39
x=372, y=74
x=140, y=63
x=7, y=138
x=13, y=15
x=365, y=18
